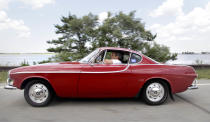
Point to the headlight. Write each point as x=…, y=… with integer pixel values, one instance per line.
x=10, y=82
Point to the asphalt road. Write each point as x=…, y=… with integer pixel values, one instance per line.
x=189, y=106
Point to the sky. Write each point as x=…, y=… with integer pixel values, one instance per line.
x=182, y=25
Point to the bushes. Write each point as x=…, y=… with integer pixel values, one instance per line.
x=3, y=76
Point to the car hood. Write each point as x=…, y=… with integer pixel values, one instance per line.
x=62, y=66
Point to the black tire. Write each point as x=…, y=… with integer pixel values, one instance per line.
x=147, y=98
x=47, y=100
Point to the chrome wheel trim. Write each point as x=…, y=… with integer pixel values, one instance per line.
x=38, y=93
x=155, y=92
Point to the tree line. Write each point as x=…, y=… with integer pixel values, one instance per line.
x=78, y=36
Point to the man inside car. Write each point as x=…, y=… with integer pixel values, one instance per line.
x=115, y=56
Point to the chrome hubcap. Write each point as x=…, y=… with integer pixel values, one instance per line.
x=155, y=92
x=38, y=93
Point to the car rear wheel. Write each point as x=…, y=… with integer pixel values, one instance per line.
x=38, y=93
x=155, y=92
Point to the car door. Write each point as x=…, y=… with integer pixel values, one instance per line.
x=103, y=80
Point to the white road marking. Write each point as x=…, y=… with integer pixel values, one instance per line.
x=1, y=87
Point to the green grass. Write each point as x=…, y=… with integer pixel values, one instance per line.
x=203, y=73
x=3, y=76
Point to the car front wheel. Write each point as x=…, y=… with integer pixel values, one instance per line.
x=38, y=93
x=155, y=92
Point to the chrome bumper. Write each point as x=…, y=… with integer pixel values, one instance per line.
x=194, y=85
x=9, y=85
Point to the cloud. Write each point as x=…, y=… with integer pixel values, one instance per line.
x=189, y=31
x=169, y=7
x=17, y=25
x=37, y=3
x=102, y=16
x=4, y=4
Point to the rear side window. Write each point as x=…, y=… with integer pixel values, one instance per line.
x=135, y=58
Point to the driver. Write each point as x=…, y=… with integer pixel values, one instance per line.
x=114, y=59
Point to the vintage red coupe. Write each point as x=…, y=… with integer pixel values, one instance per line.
x=105, y=73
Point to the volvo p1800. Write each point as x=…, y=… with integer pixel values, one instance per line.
x=105, y=73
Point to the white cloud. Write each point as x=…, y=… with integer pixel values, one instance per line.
x=102, y=16
x=169, y=7
x=17, y=25
x=33, y=3
x=4, y=4
x=37, y=3
x=189, y=32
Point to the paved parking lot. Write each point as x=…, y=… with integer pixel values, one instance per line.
x=189, y=106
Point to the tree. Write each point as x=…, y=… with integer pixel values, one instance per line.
x=79, y=36
x=75, y=34
x=123, y=30
x=158, y=52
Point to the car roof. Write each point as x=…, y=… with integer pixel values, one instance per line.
x=117, y=48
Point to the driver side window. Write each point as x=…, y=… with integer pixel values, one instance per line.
x=122, y=56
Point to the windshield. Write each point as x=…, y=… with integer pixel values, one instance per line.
x=87, y=58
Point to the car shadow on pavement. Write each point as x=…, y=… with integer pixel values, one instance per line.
x=94, y=101
x=99, y=101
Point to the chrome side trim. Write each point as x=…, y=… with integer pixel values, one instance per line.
x=111, y=71
x=90, y=72
x=147, y=64
x=32, y=72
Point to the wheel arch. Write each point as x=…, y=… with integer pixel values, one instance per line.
x=28, y=79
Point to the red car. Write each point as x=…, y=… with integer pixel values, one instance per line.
x=105, y=73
